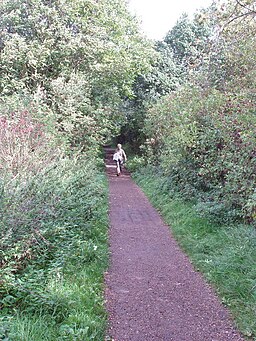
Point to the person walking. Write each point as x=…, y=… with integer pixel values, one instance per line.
x=119, y=157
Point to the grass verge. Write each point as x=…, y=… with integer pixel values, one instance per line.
x=56, y=293
x=225, y=254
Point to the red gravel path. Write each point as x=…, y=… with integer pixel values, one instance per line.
x=152, y=290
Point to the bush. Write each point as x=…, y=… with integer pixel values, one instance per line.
x=135, y=163
x=44, y=210
x=207, y=148
x=53, y=237
x=58, y=243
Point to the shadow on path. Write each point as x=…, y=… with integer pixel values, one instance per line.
x=152, y=290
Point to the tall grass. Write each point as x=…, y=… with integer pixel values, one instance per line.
x=225, y=254
x=53, y=244
x=52, y=286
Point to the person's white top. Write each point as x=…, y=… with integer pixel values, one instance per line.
x=119, y=155
x=116, y=156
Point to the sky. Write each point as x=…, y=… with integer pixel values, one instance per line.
x=159, y=16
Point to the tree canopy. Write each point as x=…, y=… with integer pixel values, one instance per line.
x=79, y=58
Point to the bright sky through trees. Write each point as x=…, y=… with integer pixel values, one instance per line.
x=158, y=16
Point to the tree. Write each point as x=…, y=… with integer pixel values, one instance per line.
x=79, y=57
x=203, y=134
x=188, y=40
x=230, y=54
x=183, y=49
x=164, y=76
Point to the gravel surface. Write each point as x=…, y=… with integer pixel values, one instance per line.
x=152, y=290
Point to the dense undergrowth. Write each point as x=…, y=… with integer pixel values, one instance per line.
x=53, y=244
x=205, y=144
x=67, y=72
x=195, y=114
x=225, y=254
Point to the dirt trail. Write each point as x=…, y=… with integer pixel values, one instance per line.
x=152, y=290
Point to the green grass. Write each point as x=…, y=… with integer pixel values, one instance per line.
x=73, y=305
x=59, y=294
x=225, y=254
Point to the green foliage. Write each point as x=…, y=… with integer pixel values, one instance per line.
x=177, y=58
x=225, y=254
x=203, y=134
x=135, y=163
x=53, y=235
x=188, y=40
x=53, y=253
x=206, y=144
x=164, y=76
x=65, y=68
x=231, y=59
x=78, y=58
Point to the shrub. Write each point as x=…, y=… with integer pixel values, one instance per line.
x=25, y=147
x=40, y=187
x=206, y=145
x=53, y=250
x=135, y=163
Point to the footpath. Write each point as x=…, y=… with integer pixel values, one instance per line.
x=152, y=290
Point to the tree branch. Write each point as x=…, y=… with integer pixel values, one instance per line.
x=244, y=6
x=240, y=16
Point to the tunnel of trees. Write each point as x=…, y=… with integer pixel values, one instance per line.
x=74, y=75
